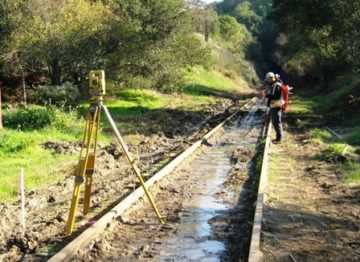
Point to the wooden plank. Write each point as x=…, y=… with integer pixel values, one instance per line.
x=95, y=230
x=255, y=254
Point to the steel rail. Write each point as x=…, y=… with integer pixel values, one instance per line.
x=255, y=253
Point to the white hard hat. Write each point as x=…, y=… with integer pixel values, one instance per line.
x=269, y=75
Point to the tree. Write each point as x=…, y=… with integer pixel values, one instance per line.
x=225, y=7
x=1, y=122
x=205, y=18
x=57, y=37
x=131, y=39
x=330, y=31
x=152, y=37
x=245, y=15
x=234, y=33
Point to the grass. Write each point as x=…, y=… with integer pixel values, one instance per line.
x=302, y=105
x=351, y=172
x=201, y=82
x=353, y=137
x=131, y=109
x=24, y=150
x=41, y=168
x=344, y=119
x=335, y=147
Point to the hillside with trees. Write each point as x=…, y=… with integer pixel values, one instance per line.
x=155, y=57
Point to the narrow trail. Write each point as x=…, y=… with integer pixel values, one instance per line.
x=206, y=201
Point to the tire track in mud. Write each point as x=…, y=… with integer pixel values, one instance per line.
x=208, y=202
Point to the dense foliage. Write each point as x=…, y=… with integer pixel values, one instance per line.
x=322, y=37
x=263, y=32
x=66, y=94
x=140, y=43
x=234, y=29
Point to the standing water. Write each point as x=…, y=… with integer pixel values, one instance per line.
x=192, y=241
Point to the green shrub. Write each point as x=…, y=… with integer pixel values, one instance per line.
x=354, y=137
x=15, y=141
x=66, y=121
x=38, y=117
x=33, y=117
x=66, y=94
x=351, y=172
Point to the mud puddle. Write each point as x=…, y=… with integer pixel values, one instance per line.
x=205, y=202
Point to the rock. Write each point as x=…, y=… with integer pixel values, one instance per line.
x=51, y=199
x=26, y=244
x=61, y=217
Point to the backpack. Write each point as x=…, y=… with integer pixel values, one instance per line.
x=285, y=90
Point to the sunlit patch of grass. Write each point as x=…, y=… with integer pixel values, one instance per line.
x=41, y=167
x=351, y=173
x=210, y=79
x=322, y=135
x=302, y=106
x=203, y=83
x=24, y=149
x=337, y=148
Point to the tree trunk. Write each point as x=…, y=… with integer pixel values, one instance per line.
x=23, y=83
x=56, y=73
x=1, y=122
x=207, y=31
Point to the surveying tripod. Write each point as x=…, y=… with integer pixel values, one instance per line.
x=86, y=165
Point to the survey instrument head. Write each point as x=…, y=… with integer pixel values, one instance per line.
x=96, y=84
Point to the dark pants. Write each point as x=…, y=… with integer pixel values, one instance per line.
x=275, y=114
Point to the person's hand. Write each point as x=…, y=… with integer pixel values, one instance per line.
x=263, y=92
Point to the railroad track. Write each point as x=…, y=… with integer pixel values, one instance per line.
x=199, y=192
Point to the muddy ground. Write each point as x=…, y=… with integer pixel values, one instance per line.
x=310, y=213
x=207, y=201
x=47, y=208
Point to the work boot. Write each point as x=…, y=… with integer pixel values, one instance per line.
x=276, y=141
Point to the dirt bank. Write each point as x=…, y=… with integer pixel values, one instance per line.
x=310, y=214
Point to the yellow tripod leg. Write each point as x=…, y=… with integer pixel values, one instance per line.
x=73, y=208
x=135, y=169
x=79, y=179
x=90, y=167
x=149, y=196
x=88, y=182
x=76, y=193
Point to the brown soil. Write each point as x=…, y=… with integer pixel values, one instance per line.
x=310, y=214
x=137, y=235
x=47, y=208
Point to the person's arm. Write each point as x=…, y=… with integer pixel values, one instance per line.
x=276, y=95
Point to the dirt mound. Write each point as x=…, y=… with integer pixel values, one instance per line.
x=63, y=147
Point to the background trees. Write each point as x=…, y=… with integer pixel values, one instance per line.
x=322, y=36
x=138, y=42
